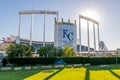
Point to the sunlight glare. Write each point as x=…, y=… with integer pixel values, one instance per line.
x=91, y=14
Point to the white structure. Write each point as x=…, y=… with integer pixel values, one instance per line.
x=88, y=37
x=65, y=34
x=32, y=12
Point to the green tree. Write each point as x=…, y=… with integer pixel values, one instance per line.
x=69, y=52
x=60, y=52
x=46, y=51
x=11, y=51
x=42, y=51
x=28, y=50
x=19, y=50
x=52, y=51
x=15, y=50
x=49, y=51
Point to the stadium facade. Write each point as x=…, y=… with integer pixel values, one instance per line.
x=65, y=34
x=38, y=44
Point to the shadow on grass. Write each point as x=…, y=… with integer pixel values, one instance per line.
x=53, y=74
x=104, y=67
x=114, y=74
x=87, y=74
x=108, y=67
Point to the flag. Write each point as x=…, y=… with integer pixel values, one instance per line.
x=9, y=40
x=4, y=39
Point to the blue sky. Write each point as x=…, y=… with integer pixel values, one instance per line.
x=108, y=10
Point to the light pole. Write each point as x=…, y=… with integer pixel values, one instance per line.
x=117, y=55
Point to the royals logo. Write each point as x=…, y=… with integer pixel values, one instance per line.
x=67, y=34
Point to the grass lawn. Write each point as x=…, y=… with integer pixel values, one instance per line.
x=16, y=75
x=111, y=72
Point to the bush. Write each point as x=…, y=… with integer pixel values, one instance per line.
x=31, y=61
x=68, y=60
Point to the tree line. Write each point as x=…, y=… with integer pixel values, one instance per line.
x=24, y=50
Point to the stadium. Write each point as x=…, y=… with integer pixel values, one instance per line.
x=65, y=34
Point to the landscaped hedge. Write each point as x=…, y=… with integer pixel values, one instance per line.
x=31, y=61
x=68, y=60
x=98, y=61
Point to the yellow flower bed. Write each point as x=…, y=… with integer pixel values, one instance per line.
x=102, y=75
x=70, y=74
x=117, y=72
x=41, y=75
x=76, y=74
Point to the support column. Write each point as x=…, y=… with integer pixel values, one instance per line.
x=31, y=29
x=94, y=36
x=79, y=33
x=44, y=31
x=18, y=38
x=75, y=36
x=88, y=36
x=57, y=31
x=98, y=37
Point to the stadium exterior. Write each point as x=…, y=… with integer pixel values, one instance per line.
x=38, y=44
x=65, y=33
